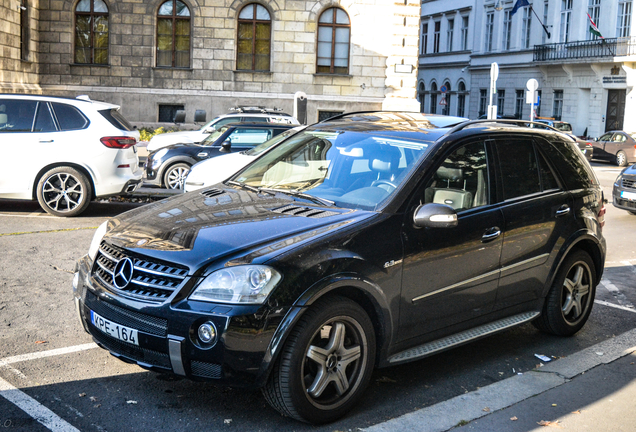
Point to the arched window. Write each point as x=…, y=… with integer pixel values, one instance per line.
x=254, y=38
x=91, y=32
x=461, y=99
x=433, y=98
x=446, y=97
x=421, y=95
x=334, y=32
x=173, y=35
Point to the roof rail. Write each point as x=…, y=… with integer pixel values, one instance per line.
x=339, y=116
x=264, y=110
x=519, y=123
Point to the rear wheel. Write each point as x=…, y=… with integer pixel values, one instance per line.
x=175, y=176
x=569, y=301
x=325, y=364
x=64, y=191
x=621, y=159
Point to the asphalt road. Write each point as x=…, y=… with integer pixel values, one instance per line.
x=50, y=368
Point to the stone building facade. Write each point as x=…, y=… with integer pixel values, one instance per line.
x=381, y=55
x=583, y=79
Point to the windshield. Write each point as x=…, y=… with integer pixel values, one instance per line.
x=272, y=142
x=211, y=139
x=353, y=169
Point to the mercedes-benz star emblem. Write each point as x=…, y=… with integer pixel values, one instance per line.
x=123, y=273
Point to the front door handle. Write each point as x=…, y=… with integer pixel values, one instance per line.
x=46, y=141
x=491, y=234
x=563, y=210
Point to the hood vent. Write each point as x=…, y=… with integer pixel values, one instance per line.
x=212, y=193
x=295, y=210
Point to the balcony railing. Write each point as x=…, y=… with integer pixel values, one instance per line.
x=614, y=47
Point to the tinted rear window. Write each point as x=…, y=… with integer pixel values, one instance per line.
x=116, y=119
x=69, y=118
x=568, y=159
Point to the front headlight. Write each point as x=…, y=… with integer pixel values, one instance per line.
x=250, y=284
x=617, y=182
x=97, y=239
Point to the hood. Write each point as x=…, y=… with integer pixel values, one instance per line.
x=223, y=223
x=217, y=169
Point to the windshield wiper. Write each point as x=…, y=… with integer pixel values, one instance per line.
x=300, y=194
x=248, y=187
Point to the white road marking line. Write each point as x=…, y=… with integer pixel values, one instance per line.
x=604, y=303
x=619, y=296
x=33, y=408
x=44, y=354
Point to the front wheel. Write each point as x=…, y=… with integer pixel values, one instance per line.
x=64, y=191
x=325, y=364
x=621, y=159
x=175, y=176
x=569, y=301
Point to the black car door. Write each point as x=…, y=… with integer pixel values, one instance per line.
x=450, y=274
x=537, y=211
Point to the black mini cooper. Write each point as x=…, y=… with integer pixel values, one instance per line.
x=365, y=241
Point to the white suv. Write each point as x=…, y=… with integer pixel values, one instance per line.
x=252, y=115
x=65, y=152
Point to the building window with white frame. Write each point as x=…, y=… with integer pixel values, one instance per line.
x=624, y=19
x=461, y=99
x=501, y=99
x=538, y=109
x=594, y=10
x=557, y=105
x=483, y=95
x=446, y=97
x=436, y=36
x=519, y=101
x=464, y=30
x=490, y=23
x=449, y=35
x=505, y=40
x=424, y=37
x=526, y=25
x=433, y=109
x=544, y=35
x=566, y=14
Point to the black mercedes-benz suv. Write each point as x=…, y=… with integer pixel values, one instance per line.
x=365, y=241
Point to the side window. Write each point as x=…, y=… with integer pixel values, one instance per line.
x=255, y=119
x=619, y=138
x=249, y=137
x=68, y=117
x=462, y=180
x=520, y=168
x=548, y=181
x=16, y=115
x=44, y=120
x=225, y=121
x=605, y=137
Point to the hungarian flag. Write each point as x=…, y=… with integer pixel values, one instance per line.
x=593, y=29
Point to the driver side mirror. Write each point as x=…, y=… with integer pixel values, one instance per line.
x=209, y=130
x=226, y=146
x=434, y=215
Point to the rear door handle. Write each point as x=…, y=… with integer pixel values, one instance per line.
x=46, y=141
x=491, y=234
x=563, y=210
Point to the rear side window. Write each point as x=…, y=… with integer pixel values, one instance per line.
x=115, y=118
x=44, y=120
x=68, y=117
x=569, y=161
x=17, y=115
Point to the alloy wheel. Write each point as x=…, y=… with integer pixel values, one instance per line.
x=62, y=192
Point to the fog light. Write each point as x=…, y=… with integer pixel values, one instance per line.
x=207, y=333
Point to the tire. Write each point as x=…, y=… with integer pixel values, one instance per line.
x=569, y=301
x=620, y=159
x=64, y=191
x=310, y=381
x=175, y=175
x=631, y=212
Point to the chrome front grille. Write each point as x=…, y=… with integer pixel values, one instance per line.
x=629, y=183
x=151, y=281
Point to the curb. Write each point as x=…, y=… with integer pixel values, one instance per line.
x=503, y=394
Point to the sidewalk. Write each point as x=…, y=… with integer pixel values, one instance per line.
x=594, y=389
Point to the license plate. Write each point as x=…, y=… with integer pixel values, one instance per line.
x=118, y=331
x=628, y=195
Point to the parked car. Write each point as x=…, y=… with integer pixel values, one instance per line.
x=616, y=146
x=243, y=114
x=351, y=245
x=65, y=152
x=215, y=170
x=557, y=124
x=624, y=191
x=169, y=166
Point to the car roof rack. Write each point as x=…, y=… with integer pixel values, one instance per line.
x=257, y=110
x=506, y=122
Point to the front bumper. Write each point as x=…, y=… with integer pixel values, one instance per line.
x=167, y=333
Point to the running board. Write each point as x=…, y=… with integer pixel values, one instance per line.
x=461, y=338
